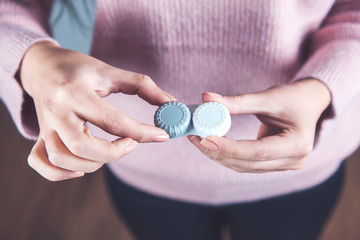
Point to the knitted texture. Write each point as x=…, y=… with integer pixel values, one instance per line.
x=228, y=47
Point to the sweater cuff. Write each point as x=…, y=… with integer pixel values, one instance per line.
x=16, y=43
x=19, y=104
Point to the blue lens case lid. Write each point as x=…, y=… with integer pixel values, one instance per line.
x=174, y=118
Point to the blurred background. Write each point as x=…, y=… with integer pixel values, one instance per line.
x=34, y=208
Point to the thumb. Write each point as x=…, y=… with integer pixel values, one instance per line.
x=252, y=103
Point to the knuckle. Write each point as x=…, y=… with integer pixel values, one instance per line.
x=262, y=154
x=141, y=137
x=34, y=158
x=55, y=159
x=305, y=147
x=138, y=132
x=238, y=98
x=144, y=79
x=75, y=147
x=308, y=149
x=234, y=153
x=60, y=95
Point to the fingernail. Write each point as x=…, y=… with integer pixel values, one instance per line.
x=171, y=98
x=131, y=146
x=209, y=145
x=213, y=94
x=192, y=138
x=75, y=174
x=161, y=138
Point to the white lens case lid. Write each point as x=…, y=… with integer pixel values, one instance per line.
x=208, y=119
x=211, y=119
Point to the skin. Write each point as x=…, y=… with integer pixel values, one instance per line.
x=288, y=113
x=67, y=88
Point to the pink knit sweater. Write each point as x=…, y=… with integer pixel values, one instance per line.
x=228, y=47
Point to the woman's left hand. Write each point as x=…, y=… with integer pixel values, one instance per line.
x=288, y=113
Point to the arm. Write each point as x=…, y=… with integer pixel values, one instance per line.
x=290, y=113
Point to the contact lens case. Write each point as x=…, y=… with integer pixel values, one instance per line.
x=207, y=119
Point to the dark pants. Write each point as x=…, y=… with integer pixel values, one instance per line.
x=301, y=215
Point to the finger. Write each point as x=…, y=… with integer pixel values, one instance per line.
x=107, y=117
x=260, y=167
x=38, y=160
x=265, y=149
x=252, y=103
x=142, y=85
x=249, y=165
x=61, y=157
x=254, y=171
x=77, y=138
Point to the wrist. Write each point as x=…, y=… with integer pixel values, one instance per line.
x=317, y=90
x=32, y=60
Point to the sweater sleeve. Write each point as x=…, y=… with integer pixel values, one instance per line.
x=335, y=55
x=22, y=23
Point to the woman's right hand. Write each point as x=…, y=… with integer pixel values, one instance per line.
x=67, y=88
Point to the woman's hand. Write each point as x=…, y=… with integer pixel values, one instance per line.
x=67, y=87
x=289, y=114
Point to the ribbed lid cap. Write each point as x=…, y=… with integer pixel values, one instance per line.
x=174, y=118
x=211, y=119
